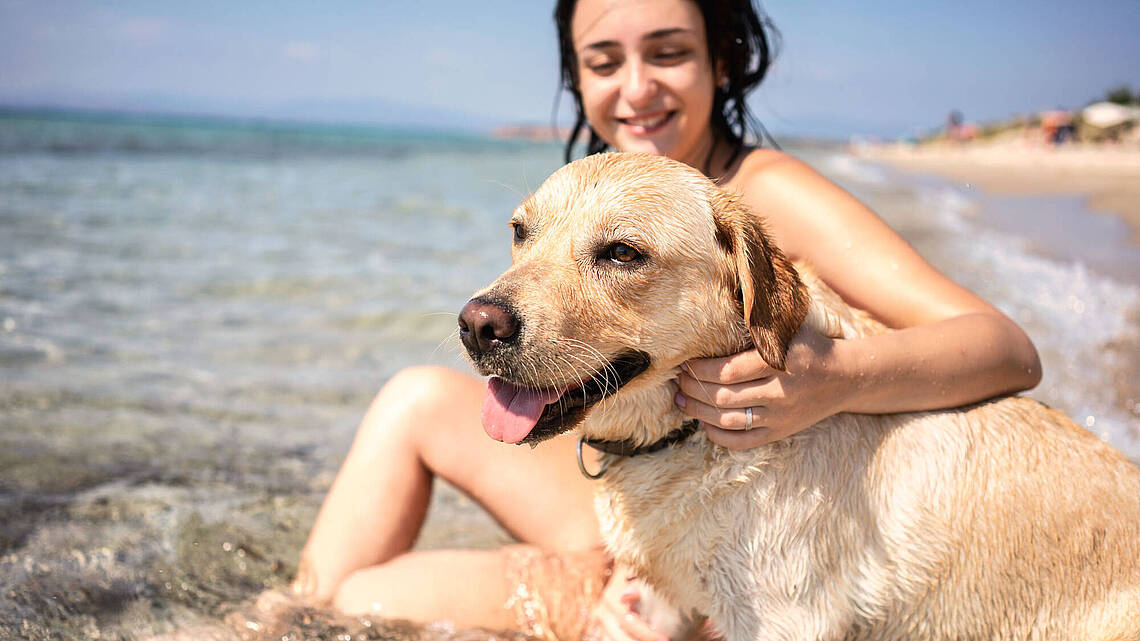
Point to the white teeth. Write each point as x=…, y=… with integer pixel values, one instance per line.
x=647, y=123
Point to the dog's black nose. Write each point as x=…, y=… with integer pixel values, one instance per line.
x=484, y=325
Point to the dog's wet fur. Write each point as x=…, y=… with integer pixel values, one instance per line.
x=1001, y=520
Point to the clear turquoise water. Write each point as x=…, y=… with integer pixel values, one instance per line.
x=194, y=314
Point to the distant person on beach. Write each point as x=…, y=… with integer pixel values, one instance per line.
x=665, y=77
x=953, y=123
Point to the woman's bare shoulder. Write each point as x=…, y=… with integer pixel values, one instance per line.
x=757, y=162
x=766, y=167
x=850, y=247
x=796, y=202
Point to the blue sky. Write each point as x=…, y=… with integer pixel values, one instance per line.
x=845, y=67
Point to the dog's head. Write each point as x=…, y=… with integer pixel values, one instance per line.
x=624, y=266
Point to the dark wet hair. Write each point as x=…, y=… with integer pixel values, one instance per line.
x=740, y=41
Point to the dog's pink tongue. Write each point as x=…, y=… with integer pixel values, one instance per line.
x=510, y=412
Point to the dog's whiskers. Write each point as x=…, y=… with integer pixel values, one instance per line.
x=509, y=188
x=580, y=379
x=575, y=376
x=451, y=340
x=606, y=372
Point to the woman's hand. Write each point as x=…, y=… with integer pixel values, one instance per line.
x=719, y=392
x=617, y=615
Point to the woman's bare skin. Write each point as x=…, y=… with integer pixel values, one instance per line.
x=425, y=423
x=646, y=81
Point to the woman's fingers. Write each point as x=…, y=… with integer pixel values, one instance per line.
x=731, y=428
x=732, y=418
x=738, y=368
x=735, y=395
x=637, y=629
x=624, y=625
x=616, y=616
x=740, y=439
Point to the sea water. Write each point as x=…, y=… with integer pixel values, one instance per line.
x=195, y=314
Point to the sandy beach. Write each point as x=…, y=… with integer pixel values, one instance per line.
x=1108, y=176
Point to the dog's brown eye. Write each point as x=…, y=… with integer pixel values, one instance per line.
x=520, y=232
x=623, y=253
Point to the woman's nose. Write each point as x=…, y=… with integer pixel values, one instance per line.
x=639, y=87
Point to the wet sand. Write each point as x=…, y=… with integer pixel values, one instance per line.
x=1108, y=177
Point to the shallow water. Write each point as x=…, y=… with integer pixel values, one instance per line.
x=195, y=315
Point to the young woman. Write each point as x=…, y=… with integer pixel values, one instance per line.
x=665, y=77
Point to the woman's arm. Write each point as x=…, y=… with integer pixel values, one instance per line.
x=950, y=347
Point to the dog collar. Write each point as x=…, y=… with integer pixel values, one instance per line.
x=629, y=447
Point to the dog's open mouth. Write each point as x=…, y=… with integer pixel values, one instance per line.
x=515, y=414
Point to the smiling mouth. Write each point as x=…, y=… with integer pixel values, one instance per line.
x=644, y=125
x=516, y=414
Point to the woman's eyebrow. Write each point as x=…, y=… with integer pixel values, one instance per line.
x=652, y=35
x=664, y=33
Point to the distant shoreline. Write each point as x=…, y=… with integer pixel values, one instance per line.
x=128, y=116
x=1109, y=178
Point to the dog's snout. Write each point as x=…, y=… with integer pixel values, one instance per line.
x=484, y=325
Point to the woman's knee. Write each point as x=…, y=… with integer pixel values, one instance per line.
x=415, y=396
x=418, y=388
x=358, y=593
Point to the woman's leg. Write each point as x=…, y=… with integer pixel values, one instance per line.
x=466, y=587
x=425, y=422
x=548, y=595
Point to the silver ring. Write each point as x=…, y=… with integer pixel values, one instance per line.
x=748, y=417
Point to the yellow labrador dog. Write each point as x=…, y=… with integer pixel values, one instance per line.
x=1001, y=520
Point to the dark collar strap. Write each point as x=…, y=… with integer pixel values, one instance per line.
x=630, y=448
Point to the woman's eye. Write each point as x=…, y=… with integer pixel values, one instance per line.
x=520, y=232
x=623, y=253
x=601, y=64
x=671, y=56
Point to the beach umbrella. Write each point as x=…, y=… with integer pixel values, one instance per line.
x=1106, y=114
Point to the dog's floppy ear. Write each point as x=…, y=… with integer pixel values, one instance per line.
x=775, y=301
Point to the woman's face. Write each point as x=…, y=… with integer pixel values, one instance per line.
x=645, y=76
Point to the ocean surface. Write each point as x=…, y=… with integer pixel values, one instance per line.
x=195, y=314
